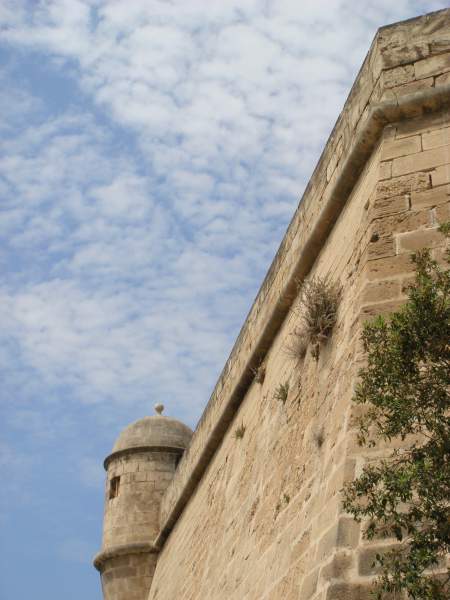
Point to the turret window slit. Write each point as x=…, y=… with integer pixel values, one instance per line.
x=114, y=487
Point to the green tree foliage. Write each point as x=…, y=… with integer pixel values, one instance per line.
x=405, y=388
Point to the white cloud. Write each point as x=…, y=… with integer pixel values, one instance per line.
x=137, y=240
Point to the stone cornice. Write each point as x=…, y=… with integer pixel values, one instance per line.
x=122, y=550
x=140, y=449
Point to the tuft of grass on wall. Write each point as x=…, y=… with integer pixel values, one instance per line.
x=318, y=306
x=297, y=345
x=239, y=432
x=319, y=438
x=259, y=373
x=281, y=392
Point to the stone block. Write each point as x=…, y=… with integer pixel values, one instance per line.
x=398, y=75
x=401, y=147
x=389, y=206
x=398, y=52
x=380, y=291
x=443, y=79
x=309, y=585
x=122, y=572
x=416, y=240
x=423, y=160
x=349, y=591
x=408, y=88
x=422, y=124
x=433, y=65
x=327, y=518
x=380, y=246
x=326, y=543
x=442, y=213
x=385, y=170
x=431, y=198
x=435, y=139
x=338, y=566
x=440, y=45
x=370, y=311
x=367, y=564
x=402, y=222
x=348, y=532
x=441, y=175
x=349, y=470
x=399, y=186
x=334, y=160
x=300, y=545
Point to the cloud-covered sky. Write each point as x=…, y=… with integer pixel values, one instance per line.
x=153, y=154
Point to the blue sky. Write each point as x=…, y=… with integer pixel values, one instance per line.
x=153, y=154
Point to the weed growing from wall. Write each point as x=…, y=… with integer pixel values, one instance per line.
x=259, y=373
x=282, y=391
x=297, y=345
x=319, y=301
x=319, y=438
x=239, y=432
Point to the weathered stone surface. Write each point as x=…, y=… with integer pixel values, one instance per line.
x=410, y=242
x=430, y=198
x=400, y=186
x=441, y=175
x=367, y=563
x=349, y=591
x=443, y=79
x=398, y=75
x=402, y=147
x=427, y=159
x=434, y=65
x=348, y=532
x=434, y=139
x=408, y=88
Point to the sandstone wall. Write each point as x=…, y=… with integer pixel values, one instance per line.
x=259, y=517
x=132, y=516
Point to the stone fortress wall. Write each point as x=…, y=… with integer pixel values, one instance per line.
x=260, y=517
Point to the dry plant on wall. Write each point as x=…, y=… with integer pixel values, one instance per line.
x=259, y=373
x=319, y=437
x=239, y=432
x=297, y=345
x=318, y=305
x=281, y=392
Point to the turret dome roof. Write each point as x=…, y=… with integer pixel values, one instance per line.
x=155, y=431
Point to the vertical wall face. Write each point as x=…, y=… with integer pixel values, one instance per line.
x=265, y=519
